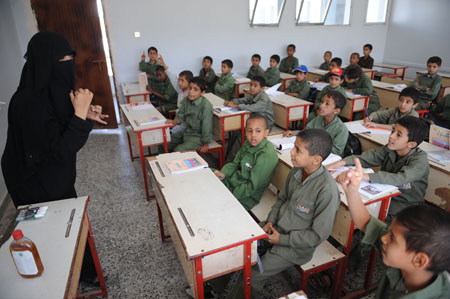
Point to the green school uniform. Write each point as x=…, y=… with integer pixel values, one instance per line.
x=171, y=95
x=366, y=62
x=325, y=66
x=408, y=173
x=363, y=86
x=327, y=89
x=442, y=108
x=288, y=66
x=302, y=89
x=248, y=176
x=272, y=76
x=210, y=79
x=391, y=285
x=337, y=130
x=390, y=116
x=255, y=71
x=324, y=78
x=434, y=82
x=150, y=69
x=224, y=87
x=260, y=104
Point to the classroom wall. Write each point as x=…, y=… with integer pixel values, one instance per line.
x=417, y=30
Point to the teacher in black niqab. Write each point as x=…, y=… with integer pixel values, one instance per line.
x=48, y=123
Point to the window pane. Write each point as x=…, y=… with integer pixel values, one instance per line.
x=376, y=11
x=266, y=12
x=312, y=11
x=339, y=12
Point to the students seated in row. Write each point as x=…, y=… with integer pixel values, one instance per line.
x=272, y=73
x=403, y=164
x=249, y=175
x=366, y=61
x=354, y=58
x=258, y=101
x=255, y=69
x=167, y=96
x=225, y=85
x=299, y=87
x=150, y=69
x=440, y=112
x=415, y=247
x=326, y=61
x=196, y=113
x=289, y=63
x=386, y=119
x=359, y=83
x=207, y=73
x=336, y=62
x=429, y=84
x=303, y=215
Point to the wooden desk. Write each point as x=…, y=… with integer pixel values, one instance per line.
x=287, y=108
x=240, y=83
x=368, y=72
x=147, y=135
x=445, y=77
x=62, y=257
x=133, y=94
x=387, y=93
x=197, y=214
x=399, y=70
x=315, y=73
x=285, y=80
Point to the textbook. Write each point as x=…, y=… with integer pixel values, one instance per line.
x=372, y=190
x=221, y=108
x=148, y=120
x=186, y=165
x=285, y=143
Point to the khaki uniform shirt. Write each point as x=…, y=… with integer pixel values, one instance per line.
x=197, y=115
x=434, y=82
x=337, y=130
x=272, y=76
x=150, y=69
x=260, y=104
x=363, y=86
x=224, y=87
x=302, y=89
x=255, y=71
x=288, y=66
x=390, y=116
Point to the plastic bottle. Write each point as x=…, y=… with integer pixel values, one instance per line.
x=25, y=256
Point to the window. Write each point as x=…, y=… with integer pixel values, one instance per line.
x=323, y=12
x=265, y=12
x=339, y=13
x=376, y=11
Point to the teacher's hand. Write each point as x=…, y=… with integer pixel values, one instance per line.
x=81, y=101
x=95, y=114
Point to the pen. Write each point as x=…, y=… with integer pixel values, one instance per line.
x=365, y=109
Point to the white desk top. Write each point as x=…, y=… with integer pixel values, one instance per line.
x=385, y=85
x=218, y=101
x=444, y=75
x=388, y=66
x=56, y=252
x=133, y=115
x=132, y=88
x=349, y=96
x=216, y=217
x=288, y=101
x=317, y=71
x=285, y=76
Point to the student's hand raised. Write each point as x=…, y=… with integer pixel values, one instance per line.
x=274, y=237
x=143, y=56
x=161, y=61
x=95, y=114
x=81, y=101
x=353, y=178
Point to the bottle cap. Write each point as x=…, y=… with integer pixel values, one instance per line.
x=17, y=234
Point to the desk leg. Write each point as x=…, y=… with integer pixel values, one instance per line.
x=198, y=272
x=161, y=225
x=242, y=128
x=351, y=112
x=144, y=172
x=288, y=116
x=128, y=99
x=165, y=140
x=247, y=269
x=222, y=129
x=130, y=148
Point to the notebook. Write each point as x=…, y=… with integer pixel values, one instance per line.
x=186, y=165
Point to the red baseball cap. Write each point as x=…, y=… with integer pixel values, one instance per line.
x=336, y=71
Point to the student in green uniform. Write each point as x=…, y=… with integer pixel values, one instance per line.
x=429, y=84
x=196, y=112
x=207, y=73
x=335, y=79
x=386, y=119
x=336, y=62
x=366, y=61
x=326, y=61
x=440, y=112
x=272, y=73
x=255, y=69
x=225, y=85
x=310, y=199
x=415, y=247
x=354, y=58
x=359, y=83
x=168, y=96
x=403, y=164
x=299, y=87
x=248, y=176
x=258, y=101
x=150, y=69
x=289, y=63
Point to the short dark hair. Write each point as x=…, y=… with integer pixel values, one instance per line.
x=208, y=58
x=337, y=60
x=291, y=46
x=275, y=57
x=200, y=82
x=255, y=115
x=427, y=231
x=353, y=71
x=152, y=48
x=188, y=75
x=317, y=142
x=261, y=80
x=410, y=92
x=228, y=62
x=417, y=128
x=328, y=51
x=435, y=59
x=354, y=53
x=338, y=98
x=368, y=46
x=256, y=56
x=160, y=68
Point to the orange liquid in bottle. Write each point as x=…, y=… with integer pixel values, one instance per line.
x=25, y=256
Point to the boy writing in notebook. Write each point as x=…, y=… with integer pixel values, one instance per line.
x=224, y=86
x=255, y=69
x=167, y=95
x=336, y=62
x=272, y=73
x=196, y=113
x=386, y=119
x=403, y=164
x=299, y=87
x=429, y=84
x=250, y=172
x=289, y=63
x=366, y=61
x=207, y=73
x=415, y=247
x=303, y=215
x=326, y=61
x=150, y=69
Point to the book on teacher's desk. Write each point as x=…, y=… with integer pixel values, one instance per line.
x=186, y=164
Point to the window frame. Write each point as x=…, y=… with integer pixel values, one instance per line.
x=265, y=25
x=349, y=17
x=377, y=23
x=297, y=17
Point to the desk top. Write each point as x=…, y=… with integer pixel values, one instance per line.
x=317, y=71
x=385, y=85
x=140, y=111
x=350, y=96
x=132, y=88
x=288, y=101
x=389, y=66
x=444, y=75
x=216, y=217
x=218, y=101
x=285, y=76
x=56, y=252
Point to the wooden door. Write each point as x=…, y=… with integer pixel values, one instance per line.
x=79, y=22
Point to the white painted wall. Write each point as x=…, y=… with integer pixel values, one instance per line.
x=417, y=30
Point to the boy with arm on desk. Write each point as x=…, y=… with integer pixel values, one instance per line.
x=386, y=119
x=207, y=73
x=429, y=84
x=224, y=86
x=150, y=69
x=326, y=61
x=366, y=61
x=272, y=73
x=415, y=247
x=440, y=112
x=336, y=62
x=299, y=87
x=255, y=69
x=289, y=63
x=167, y=95
x=402, y=162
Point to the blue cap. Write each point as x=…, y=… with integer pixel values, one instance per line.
x=301, y=68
